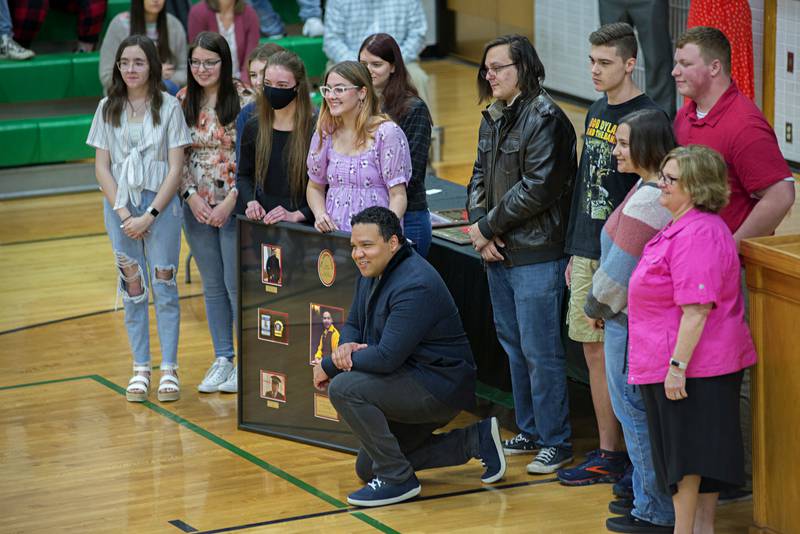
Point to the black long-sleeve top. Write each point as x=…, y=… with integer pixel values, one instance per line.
x=416, y=124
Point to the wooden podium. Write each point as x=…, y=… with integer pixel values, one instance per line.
x=773, y=279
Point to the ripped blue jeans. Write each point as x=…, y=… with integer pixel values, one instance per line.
x=156, y=259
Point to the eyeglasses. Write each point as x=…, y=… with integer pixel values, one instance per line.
x=136, y=65
x=664, y=179
x=207, y=64
x=339, y=90
x=493, y=70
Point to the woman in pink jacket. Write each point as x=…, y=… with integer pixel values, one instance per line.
x=235, y=20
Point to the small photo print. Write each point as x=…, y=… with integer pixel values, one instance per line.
x=323, y=409
x=273, y=326
x=325, y=324
x=273, y=386
x=271, y=265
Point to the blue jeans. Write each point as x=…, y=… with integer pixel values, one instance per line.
x=417, y=227
x=271, y=23
x=649, y=501
x=158, y=250
x=527, y=302
x=214, y=250
x=5, y=19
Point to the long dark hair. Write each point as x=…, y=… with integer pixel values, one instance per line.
x=399, y=87
x=530, y=70
x=228, y=105
x=300, y=140
x=138, y=27
x=118, y=93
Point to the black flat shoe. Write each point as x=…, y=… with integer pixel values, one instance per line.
x=628, y=523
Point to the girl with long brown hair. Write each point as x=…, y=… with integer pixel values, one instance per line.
x=357, y=153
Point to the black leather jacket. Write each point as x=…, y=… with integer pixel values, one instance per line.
x=522, y=181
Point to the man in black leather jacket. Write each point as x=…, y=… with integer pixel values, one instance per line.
x=518, y=203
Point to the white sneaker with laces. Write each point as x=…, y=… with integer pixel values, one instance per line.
x=231, y=385
x=216, y=375
x=313, y=27
x=10, y=49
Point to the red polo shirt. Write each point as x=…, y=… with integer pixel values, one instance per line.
x=736, y=129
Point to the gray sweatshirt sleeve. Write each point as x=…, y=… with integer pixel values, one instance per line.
x=116, y=33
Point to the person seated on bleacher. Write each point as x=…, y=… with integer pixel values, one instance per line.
x=151, y=19
x=400, y=100
x=272, y=24
x=358, y=154
x=29, y=15
x=211, y=103
x=275, y=142
x=235, y=20
x=139, y=135
x=9, y=48
x=349, y=22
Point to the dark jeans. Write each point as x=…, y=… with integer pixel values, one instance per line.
x=394, y=416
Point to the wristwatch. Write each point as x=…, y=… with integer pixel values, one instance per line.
x=679, y=364
x=189, y=192
x=152, y=211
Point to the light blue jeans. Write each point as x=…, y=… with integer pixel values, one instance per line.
x=527, y=302
x=270, y=21
x=158, y=250
x=417, y=227
x=5, y=19
x=214, y=250
x=649, y=502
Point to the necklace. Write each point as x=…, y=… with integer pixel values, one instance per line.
x=135, y=111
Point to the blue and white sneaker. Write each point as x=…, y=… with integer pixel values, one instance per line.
x=380, y=493
x=491, y=450
x=519, y=444
x=549, y=460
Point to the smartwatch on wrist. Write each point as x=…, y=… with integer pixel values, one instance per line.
x=152, y=211
x=189, y=192
x=679, y=364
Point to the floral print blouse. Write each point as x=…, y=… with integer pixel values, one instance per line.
x=210, y=162
x=360, y=181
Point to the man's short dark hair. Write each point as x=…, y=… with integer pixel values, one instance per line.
x=619, y=35
x=530, y=70
x=712, y=44
x=387, y=221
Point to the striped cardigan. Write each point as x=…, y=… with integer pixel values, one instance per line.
x=635, y=221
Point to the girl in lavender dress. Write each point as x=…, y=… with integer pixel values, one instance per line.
x=358, y=153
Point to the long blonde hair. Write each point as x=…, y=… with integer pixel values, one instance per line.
x=369, y=117
x=301, y=132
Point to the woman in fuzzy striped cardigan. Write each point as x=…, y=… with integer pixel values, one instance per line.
x=643, y=139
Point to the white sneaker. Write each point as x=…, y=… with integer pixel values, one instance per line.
x=231, y=385
x=217, y=374
x=11, y=49
x=313, y=27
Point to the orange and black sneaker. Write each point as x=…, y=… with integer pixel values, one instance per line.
x=600, y=466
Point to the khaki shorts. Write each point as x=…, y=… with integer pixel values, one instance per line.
x=579, y=330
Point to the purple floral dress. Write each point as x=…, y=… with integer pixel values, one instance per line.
x=360, y=181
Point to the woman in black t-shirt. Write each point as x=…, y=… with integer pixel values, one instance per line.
x=272, y=173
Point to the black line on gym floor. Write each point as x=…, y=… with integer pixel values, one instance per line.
x=81, y=316
x=500, y=487
x=48, y=239
x=181, y=525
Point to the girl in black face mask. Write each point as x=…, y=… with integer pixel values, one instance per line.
x=272, y=173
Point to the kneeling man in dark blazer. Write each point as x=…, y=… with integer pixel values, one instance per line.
x=403, y=368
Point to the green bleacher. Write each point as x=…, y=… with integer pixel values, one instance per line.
x=53, y=77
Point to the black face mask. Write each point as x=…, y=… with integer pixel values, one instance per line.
x=279, y=97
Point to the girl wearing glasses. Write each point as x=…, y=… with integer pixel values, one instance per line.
x=139, y=134
x=211, y=103
x=358, y=153
x=275, y=142
x=399, y=99
x=147, y=17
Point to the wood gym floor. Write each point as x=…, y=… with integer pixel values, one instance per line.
x=75, y=456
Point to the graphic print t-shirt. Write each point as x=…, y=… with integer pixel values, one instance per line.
x=599, y=188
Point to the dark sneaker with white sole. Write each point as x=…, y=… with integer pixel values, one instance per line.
x=549, y=460
x=491, y=450
x=380, y=493
x=519, y=444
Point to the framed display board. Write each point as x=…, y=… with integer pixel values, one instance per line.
x=295, y=289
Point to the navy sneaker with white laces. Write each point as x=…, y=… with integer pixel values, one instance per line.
x=491, y=450
x=519, y=444
x=380, y=493
x=549, y=460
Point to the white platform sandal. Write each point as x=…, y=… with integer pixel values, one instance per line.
x=139, y=384
x=169, y=388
